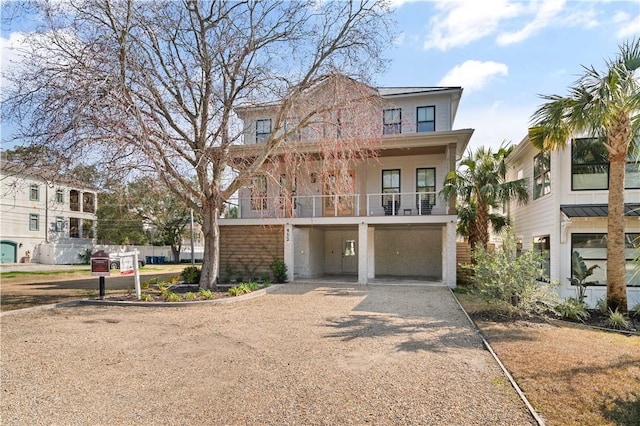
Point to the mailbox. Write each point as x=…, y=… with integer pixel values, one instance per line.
x=100, y=264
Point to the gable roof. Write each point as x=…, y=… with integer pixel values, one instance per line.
x=397, y=91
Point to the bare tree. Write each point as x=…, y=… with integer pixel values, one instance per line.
x=152, y=87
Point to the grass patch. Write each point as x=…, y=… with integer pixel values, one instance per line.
x=571, y=375
x=16, y=274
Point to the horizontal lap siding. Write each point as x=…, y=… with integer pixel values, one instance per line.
x=250, y=249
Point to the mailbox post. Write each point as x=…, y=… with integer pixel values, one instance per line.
x=100, y=268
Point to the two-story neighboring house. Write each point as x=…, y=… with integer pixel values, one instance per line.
x=568, y=210
x=391, y=223
x=43, y=217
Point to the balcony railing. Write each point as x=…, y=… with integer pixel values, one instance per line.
x=344, y=205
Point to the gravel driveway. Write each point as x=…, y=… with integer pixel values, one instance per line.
x=302, y=354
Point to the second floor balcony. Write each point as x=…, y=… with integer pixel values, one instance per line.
x=338, y=205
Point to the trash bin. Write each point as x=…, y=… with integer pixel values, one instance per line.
x=148, y=260
x=155, y=260
x=161, y=259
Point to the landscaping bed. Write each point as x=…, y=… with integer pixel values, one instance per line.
x=571, y=376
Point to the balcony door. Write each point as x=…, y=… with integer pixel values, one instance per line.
x=338, y=189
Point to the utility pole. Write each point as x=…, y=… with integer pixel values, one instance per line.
x=193, y=259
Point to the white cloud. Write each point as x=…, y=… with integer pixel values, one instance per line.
x=494, y=123
x=627, y=26
x=10, y=54
x=473, y=75
x=460, y=22
x=545, y=12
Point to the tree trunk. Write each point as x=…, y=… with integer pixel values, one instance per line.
x=175, y=252
x=211, y=231
x=481, y=225
x=616, y=282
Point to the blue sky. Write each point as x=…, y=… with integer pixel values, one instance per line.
x=504, y=54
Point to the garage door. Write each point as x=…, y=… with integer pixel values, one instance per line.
x=8, y=252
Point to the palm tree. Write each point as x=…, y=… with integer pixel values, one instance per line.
x=602, y=105
x=480, y=185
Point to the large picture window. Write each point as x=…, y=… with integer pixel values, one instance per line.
x=391, y=185
x=593, y=249
x=542, y=246
x=541, y=174
x=392, y=121
x=426, y=119
x=263, y=130
x=425, y=188
x=590, y=166
x=259, y=193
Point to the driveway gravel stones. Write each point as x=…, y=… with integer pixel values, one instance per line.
x=303, y=354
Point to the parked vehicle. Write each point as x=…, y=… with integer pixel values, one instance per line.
x=114, y=261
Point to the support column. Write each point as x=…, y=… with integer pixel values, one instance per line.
x=362, y=175
x=452, y=166
x=363, y=253
x=289, y=251
x=371, y=253
x=449, y=254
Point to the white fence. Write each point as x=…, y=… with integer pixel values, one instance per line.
x=69, y=253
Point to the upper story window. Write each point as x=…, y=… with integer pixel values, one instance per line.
x=259, y=193
x=263, y=130
x=426, y=119
x=541, y=174
x=74, y=200
x=34, y=192
x=88, y=202
x=391, y=185
x=59, y=196
x=426, y=189
x=590, y=166
x=286, y=128
x=34, y=222
x=391, y=121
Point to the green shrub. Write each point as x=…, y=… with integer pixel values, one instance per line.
x=163, y=287
x=145, y=297
x=279, y=270
x=510, y=281
x=205, y=293
x=601, y=305
x=191, y=275
x=172, y=297
x=85, y=256
x=237, y=290
x=190, y=296
x=635, y=311
x=617, y=320
x=573, y=309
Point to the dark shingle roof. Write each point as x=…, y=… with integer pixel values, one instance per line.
x=597, y=210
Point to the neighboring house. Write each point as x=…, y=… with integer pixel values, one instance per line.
x=390, y=224
x=567, y=212
x=43, y=217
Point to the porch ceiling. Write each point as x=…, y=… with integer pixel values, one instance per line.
x=422, y=150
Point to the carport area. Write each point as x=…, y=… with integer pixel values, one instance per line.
x=301, y=354
x=367, y=252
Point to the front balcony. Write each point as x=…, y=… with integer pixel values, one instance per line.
x=345, y=205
